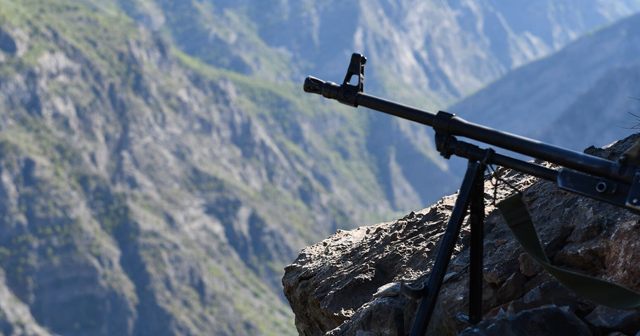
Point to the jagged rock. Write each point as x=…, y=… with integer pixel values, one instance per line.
x=544, y=321
x=606, y=319
x=343, y=272
x=512, y=288
x=537, y=280
x=335, y=276
x=396, y=323
x=548, y=293
x=392, y=289
x=528, y=266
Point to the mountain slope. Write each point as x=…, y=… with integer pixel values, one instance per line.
x=607, y=110
x=145, y=193
x=426, y=54
x=575, y=98
x=436, y=49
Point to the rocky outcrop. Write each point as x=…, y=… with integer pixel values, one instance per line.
x=347, y=284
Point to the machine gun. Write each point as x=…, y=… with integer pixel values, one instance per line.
x=615, y=182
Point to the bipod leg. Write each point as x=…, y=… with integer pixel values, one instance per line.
x=476, y=220
x=475, y=171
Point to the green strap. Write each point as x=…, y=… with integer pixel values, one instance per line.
x=605, y=293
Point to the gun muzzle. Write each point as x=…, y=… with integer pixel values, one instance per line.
x=313, y=85
x=318, y=86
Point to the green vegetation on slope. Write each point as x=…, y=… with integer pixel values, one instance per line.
x=71, y=214
x=141, y=184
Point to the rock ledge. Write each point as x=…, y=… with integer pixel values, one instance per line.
x=347, y=284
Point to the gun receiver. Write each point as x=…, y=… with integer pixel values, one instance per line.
x=613, y=182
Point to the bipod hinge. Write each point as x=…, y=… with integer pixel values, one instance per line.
x=445, y=142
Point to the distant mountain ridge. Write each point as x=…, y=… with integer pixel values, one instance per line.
x=441, y=50
x=577, y=97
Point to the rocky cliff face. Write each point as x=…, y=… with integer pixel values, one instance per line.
x=145, y=193
x=424, y=53
x=437, y=49
x=348, y=283
x=99, y=235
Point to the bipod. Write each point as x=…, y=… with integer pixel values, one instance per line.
x=470, y=197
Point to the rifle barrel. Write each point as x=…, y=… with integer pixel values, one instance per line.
x=396, y=109
x=457, y=126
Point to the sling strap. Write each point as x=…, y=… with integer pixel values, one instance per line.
x=515, y=213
